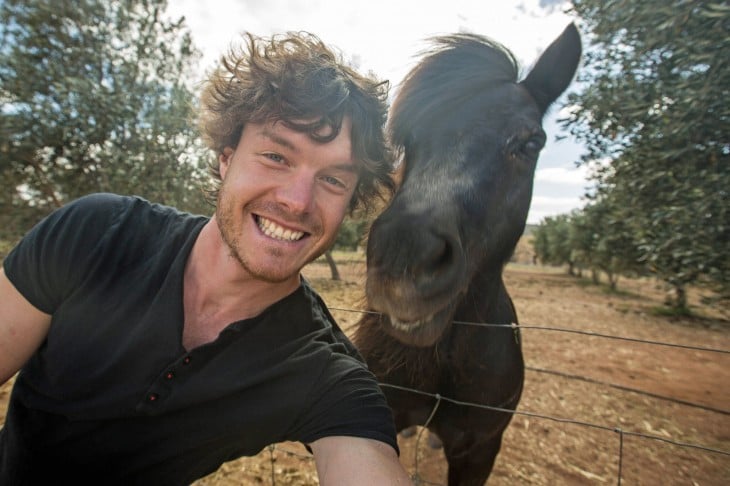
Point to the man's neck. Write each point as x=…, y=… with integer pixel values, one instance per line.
x=218, y=291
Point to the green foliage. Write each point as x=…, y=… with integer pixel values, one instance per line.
x=603, y=241
x=655, y=107
x=93, y=98
x=352, y=233
x=551, y=241
x=5, y=247
x=672, y=311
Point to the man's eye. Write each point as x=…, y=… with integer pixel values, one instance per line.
x=274, y=157
x=334, y=181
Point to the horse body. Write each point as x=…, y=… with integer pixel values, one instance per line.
x=470, y=135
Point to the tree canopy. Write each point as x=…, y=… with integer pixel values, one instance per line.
x=654, y=110
x=94, y=97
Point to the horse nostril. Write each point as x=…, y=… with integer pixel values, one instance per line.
x=421, y=252
x=439, y=255
x=439, y=264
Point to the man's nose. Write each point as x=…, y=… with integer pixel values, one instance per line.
x=297, y=194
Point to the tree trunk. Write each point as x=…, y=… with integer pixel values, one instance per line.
x=613, y=280
x=332, y=264
x=676, y=297
x=680, y=297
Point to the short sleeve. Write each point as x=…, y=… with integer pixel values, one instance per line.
x=54, y=256
x=349, y=402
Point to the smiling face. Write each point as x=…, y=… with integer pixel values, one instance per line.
x=283, y=198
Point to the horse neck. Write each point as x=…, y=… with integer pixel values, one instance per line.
x=486, y=302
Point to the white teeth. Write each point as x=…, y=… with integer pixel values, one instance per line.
x=273, y=230
x=408, y=326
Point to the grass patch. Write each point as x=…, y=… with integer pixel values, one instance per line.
x=666, y=311
x=617, y=292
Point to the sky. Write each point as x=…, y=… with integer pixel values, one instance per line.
x=386, y=36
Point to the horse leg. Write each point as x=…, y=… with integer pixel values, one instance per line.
x=433, y=440
x=473, y=466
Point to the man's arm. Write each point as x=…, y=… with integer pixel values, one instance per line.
x=355, y=461
x=22, y=328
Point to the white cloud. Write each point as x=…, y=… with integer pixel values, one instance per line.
x=385, y=35
x=562, y=175
x=558, y=190
x=543, y=206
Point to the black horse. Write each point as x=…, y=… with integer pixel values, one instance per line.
x=470, y=135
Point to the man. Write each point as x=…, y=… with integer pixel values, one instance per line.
x=154, y=345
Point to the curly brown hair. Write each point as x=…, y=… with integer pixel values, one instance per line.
x=296, y=79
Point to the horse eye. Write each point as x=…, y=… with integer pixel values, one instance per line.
x=531, y=148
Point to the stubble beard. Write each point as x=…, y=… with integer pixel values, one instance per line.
x=226, y=216
x=226, y=219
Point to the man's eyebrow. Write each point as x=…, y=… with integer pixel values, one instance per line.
x=347, y=167
x=278, y=139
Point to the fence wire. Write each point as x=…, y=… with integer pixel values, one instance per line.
x=559, y=329
x=438, y=399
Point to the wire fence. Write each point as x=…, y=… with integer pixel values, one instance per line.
x=619, y=431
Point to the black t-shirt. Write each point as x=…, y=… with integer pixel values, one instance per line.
x=112, y=395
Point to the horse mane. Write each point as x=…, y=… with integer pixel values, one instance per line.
x=457, y=68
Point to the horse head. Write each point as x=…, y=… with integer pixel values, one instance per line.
x=470, y=134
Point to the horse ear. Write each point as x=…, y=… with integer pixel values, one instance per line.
x=555, y=68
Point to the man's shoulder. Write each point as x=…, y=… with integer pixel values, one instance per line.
x=314, y=301
x=130, y=227
x=116, y=209
x=105, y=203
x=102, y=210
x=322, y=316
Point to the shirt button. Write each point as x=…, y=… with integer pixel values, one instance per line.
x=152, y=397
x=186, y=360
x=169, y=375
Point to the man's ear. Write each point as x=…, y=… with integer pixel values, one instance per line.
x=224, y=161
